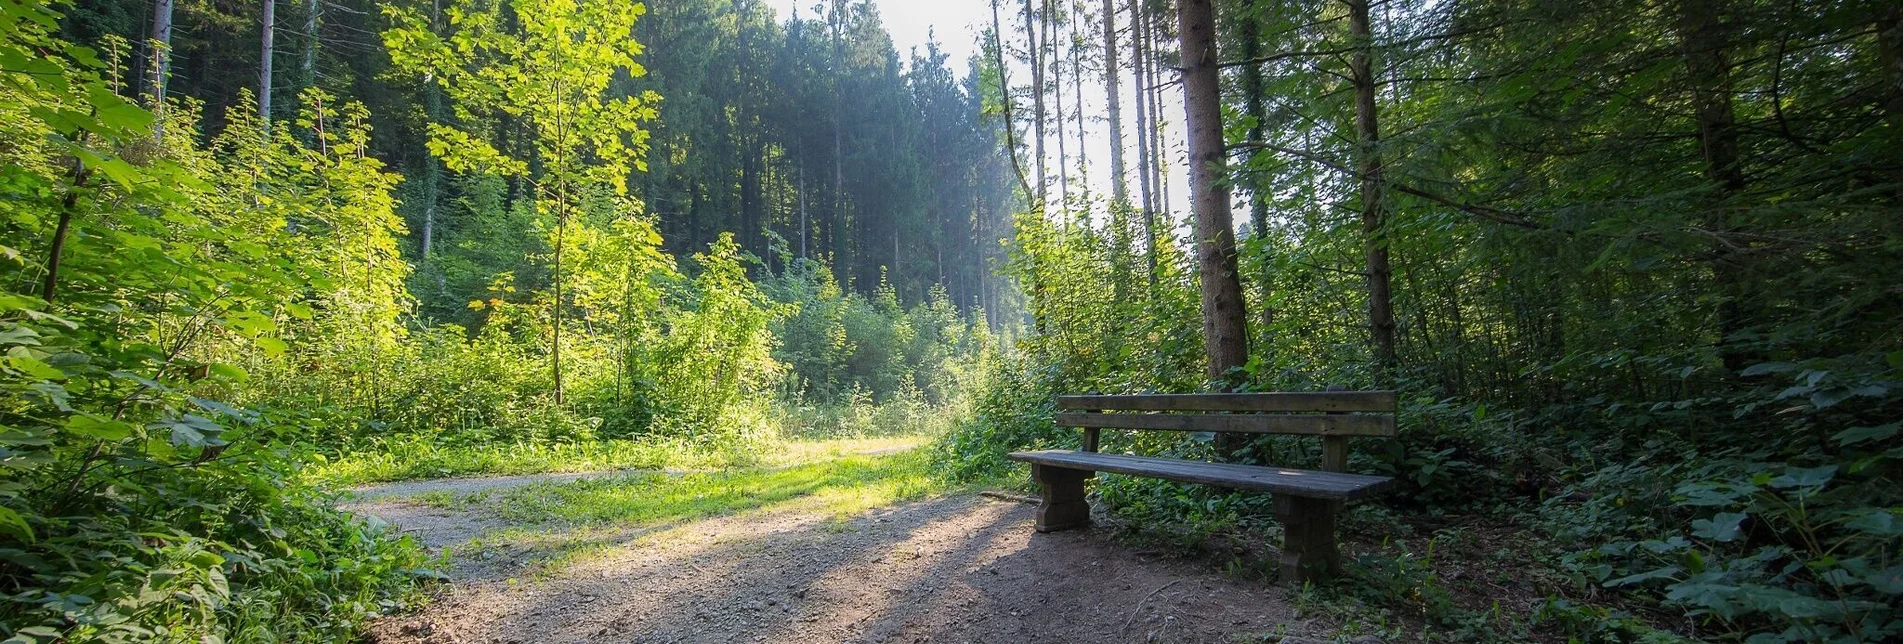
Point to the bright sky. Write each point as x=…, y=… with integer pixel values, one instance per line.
x=958, y=23
x=911, y=22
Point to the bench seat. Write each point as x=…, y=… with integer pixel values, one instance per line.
x=1339, y=486
x=1306, y=502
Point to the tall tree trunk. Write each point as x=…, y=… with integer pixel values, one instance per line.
x=1152, y=82
x=1077, y=91
x=1374, y=223
x=161, y=59
x=1004, y=96
x=839, y=237
x=313, y=17
x=1139, y=49
x=1252, y=90
x=69, y=208
x=1037, y=98
x=269, y=38
x=1224, y=326
x=561, y=237
x=1251, y=27
x=433, y=168
x=1119, y=183
x=802, y=195
x=1057, y=96
x=1704, y=38
x=1890, y=53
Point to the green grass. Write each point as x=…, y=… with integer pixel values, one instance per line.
x=841, y=486
x=402, y=460
x=562, y=523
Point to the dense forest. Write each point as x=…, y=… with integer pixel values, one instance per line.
x=1634, y=267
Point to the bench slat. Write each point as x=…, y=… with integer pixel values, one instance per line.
x=1275, y=480
x=1374, y=401
x=1313, y=425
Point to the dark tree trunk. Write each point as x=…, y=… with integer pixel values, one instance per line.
x=1224, y=327
x=1704, y=38
x=1374, y=222
x=1258, y=195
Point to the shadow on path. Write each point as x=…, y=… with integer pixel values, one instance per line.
x=956, y=569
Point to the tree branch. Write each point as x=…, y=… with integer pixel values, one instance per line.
x=1484, y=212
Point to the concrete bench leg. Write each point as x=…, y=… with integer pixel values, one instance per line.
x=1308, y=541
x=1063, y=505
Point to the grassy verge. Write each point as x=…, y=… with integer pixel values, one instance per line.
x=559, y=524
x=841, y=486
x=402, y=460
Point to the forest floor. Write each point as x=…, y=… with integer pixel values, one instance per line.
x=854, y=549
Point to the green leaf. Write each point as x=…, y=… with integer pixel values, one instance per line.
x=1767, y=367
x=1888, y=580
x=31, y=366
x=272, y=346
x=192, y=430
x=20, y=335
x=94, y=427
x=249, y=323
x=1667, y=572
x=16, y=525
x=1805, y=477
x=206, y=560
x=1856, y=435
x=1722, y=527
x=229, y=372
x=116, y=112
x=1879, y=522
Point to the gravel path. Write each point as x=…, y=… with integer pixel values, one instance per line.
x=963, y=568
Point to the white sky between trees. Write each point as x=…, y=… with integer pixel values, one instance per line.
x=957, y=25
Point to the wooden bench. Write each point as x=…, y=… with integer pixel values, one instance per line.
x=1306, y=501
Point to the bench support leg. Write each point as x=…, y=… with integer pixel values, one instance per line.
x=1063, y=506
x=1308, y=542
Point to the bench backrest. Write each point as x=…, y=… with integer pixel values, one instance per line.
x=1336, y=416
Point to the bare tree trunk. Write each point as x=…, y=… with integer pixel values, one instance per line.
x=1057, y=96
x=1139, y=48
x=561, y=237
x=1705, y=37
x=1890, y=53
x=69, y=208
x=802, y=191
x=1224, y=326
x=1119, y=183
x=1037, y=98
x=161, y=61
x=1153, y=91
x=840, y=238
x=1258, y=195
x=433, y=107
x=269, y=38
x=1077, y=90
x=313, y=12
x=1004, y=96
x=1373, y=200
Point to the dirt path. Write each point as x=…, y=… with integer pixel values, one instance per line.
x=963, y=568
